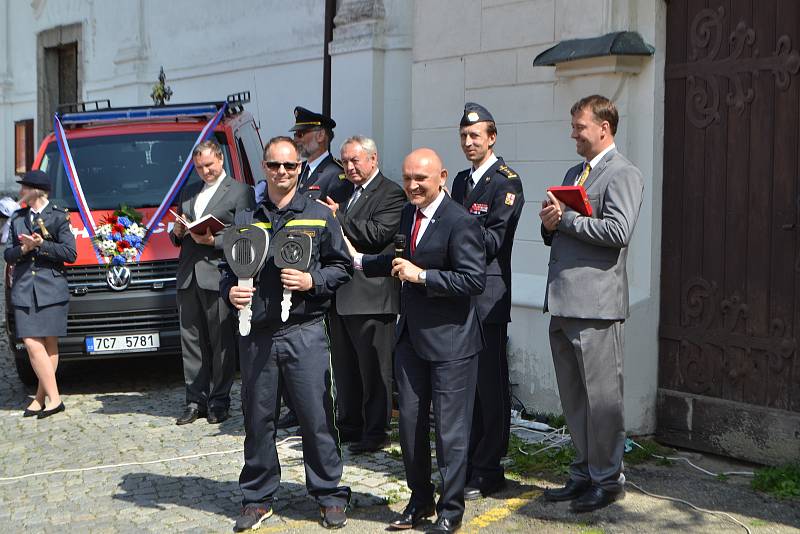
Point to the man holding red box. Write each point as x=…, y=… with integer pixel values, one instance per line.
x=587, y=297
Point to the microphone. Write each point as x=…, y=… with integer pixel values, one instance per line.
x=399, y=245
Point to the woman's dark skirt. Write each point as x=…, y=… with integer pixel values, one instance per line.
x=41, y=321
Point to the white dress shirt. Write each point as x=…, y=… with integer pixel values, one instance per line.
x=359, y=190
x=312, y=165
x=596, y=160
x=205, y=194
x=428, y=212
x=478, y=173
x=34, y=213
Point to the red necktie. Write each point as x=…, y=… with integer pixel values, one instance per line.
x=415, y=232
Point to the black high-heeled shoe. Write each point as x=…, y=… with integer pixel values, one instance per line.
x=53, y=411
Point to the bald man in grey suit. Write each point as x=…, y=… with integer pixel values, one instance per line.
x=587, y=297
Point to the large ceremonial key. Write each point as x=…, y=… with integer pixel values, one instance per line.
x=245, y=249
x=292, y=250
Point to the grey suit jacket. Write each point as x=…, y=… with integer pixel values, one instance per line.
x=202, y=261
x=586, y=278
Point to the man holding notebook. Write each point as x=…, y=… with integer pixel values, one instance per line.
x=207, y=327
x=587, y=297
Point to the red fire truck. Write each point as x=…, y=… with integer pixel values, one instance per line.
x=132, y=156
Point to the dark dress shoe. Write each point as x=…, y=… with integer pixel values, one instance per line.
x=217, y=415
x=30, y=413
x=596, y=498
x=572, y=490
x=287, y=421
x=189, y=416
x=47, y=413
x=444, y=524
x=481, y=487
x=349, y=436
x=412, y=516
x=368, y=445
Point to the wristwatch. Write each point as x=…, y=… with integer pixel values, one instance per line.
x=423, y=275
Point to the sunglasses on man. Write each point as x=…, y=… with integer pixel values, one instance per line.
x=288, y=165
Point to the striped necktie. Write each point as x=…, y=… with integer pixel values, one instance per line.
x=584, y=175
x=354, y=198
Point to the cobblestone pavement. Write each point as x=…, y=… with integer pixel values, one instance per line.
x=120, y=412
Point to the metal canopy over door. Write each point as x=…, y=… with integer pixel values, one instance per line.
x=729, y=372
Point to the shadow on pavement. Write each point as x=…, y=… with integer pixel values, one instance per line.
x=733, y=496
x=291, y=502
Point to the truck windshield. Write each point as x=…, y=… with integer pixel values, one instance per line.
x=132, y=169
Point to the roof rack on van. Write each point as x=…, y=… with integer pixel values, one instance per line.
x=80, y=113
x=83, y=106
x=236, y=101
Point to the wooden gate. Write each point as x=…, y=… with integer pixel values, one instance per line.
x=729, y=371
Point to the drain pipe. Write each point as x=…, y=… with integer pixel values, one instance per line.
x=330, y=13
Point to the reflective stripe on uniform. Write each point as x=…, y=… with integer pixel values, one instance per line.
x=297, y=222
x=307, y=222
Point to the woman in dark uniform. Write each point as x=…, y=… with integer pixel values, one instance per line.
x=41, y=242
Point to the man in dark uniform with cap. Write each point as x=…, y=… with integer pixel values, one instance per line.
x=297, y=350
x=322, y=175
x=491, y=192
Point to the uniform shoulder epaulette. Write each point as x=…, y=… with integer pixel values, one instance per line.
x=338, y=162
x=506, y=171
x=65, y=211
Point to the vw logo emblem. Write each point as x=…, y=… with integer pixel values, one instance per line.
x=118, y=277
x=291, y=252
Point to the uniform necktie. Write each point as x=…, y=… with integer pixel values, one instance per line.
x=469, y=186
x=584, y=175
x=304, y=174
x=415, y=230
x=354, y=197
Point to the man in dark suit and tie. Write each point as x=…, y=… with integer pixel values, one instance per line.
x=364, y=314
x=206, y=324
x=587, y=297
x=492, y=193
x=438, y=337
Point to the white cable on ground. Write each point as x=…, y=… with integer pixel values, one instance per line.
x=674, y=499
x=564, y=438
x=8, y=480
x=706, y=471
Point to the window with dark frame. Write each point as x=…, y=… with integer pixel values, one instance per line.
x=23, y=146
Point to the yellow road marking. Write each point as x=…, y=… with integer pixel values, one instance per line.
x=499, y=513
x=288, y=526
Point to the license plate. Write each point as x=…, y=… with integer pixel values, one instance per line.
x=123, y=343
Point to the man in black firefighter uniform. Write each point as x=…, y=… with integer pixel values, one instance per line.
x=321, y=177
x=492, y=193
x=297, y=349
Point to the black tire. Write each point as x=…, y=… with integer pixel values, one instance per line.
x=25, y=371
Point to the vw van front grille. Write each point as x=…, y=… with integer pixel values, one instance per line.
x=89, y=278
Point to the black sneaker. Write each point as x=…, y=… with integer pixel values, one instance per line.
x=332, y=517
x=251, y=517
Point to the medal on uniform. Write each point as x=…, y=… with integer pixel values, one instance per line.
x=43, y=228
x=245, y=248
x=291, y=250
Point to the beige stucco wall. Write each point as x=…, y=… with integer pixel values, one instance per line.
x=482, y=50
